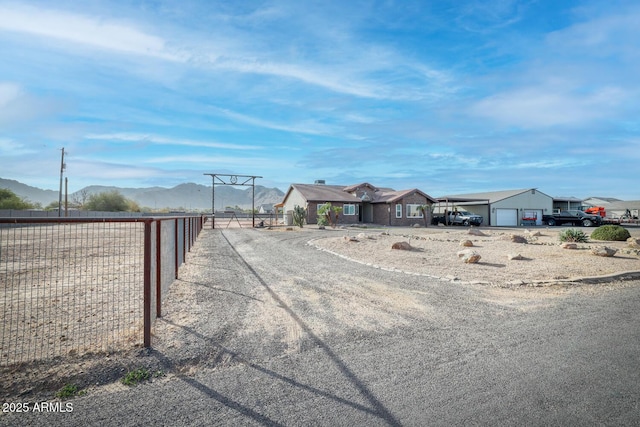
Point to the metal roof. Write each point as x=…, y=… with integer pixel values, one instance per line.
x=490, y=197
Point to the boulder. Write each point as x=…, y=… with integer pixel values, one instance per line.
x=514, y=257
x=403, y=246
x=633, y=242
x=416, y=225
x=604, y=251
x=568, y=245
x=475, y=232
x=466, y=243
x=469, y=256
x=514, y=238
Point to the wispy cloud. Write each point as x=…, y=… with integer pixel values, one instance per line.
x=543, y=106
x=161, y=140
x=84, y=30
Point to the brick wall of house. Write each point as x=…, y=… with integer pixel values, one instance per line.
x=385, y=214
x=312, y=214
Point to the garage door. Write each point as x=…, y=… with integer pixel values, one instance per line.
x=507, y=217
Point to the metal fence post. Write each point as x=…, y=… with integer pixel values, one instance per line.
x=158, y=268
x=147, y=284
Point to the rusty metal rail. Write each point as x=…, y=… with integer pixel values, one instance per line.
x=71, y=286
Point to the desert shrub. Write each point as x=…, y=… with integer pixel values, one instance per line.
x=611, y=233
x=299, y=214
x=109, y=201
x=573, y=235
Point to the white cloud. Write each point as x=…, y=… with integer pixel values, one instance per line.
x=543, y=106
x=80, y=29
x=216, y=161
x=160, y=140
x=9, y=147
x=8, y=93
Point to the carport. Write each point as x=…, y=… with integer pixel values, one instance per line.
x=476, y=206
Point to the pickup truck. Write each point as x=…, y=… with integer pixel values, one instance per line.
x=459, y=218
x=573, y=217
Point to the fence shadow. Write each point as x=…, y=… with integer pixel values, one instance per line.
x=377, y=408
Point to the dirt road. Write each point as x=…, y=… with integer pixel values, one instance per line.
x=263, y=329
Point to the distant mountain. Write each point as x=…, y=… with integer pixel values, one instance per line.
x=188, y=196
x=31, y=194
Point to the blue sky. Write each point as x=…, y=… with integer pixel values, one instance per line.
x=447, y=96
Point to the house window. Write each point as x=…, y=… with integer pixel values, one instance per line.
x=398, y=211
x=320, y=205
x=349, y=209
x=414, y=211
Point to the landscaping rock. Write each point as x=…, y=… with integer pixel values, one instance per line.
x=567, y=245
x=533, y=233
x=350, y=239
x=512, y=257
x=633, y=242
x=475, y=232
x=403, y=246
x=514, y=238
x=469, y=256
x=416, y=225
x=466, y=243
x=603, y=251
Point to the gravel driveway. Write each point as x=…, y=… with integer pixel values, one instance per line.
x=263, y=329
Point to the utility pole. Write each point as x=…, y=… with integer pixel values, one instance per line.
x=62, y=166
x=66, y=196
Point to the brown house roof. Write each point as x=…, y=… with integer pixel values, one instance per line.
x=324, y=193
x=340, y=193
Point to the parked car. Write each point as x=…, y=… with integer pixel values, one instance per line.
x=573, y=217
x=459, y=218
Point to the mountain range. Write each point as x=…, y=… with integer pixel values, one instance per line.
x=187, y=196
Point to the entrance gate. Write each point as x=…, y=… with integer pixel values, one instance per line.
x=225, y=179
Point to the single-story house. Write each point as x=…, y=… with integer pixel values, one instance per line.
x=508, y=208
x=361, y=204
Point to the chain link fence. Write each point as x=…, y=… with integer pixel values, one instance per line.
x=75, y=286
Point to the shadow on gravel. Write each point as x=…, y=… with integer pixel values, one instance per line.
x=208, y=391
x=378, y=409
x=226, y=353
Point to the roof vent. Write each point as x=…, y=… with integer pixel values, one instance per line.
x=320, y=182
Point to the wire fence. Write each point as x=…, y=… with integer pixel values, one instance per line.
x=71, y=287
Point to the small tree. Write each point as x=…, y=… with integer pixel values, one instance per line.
x=299, y=214
x=110, y=201
x=10, y=200
x=328, y=214
x=425, y=209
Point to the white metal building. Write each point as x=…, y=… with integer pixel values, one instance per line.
x=509, y=208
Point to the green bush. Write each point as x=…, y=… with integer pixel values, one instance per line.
x=573, y=235
x=611, y=233
x=9, y=200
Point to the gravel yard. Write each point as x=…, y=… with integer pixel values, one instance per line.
x=434, y=253
x=263, y=328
